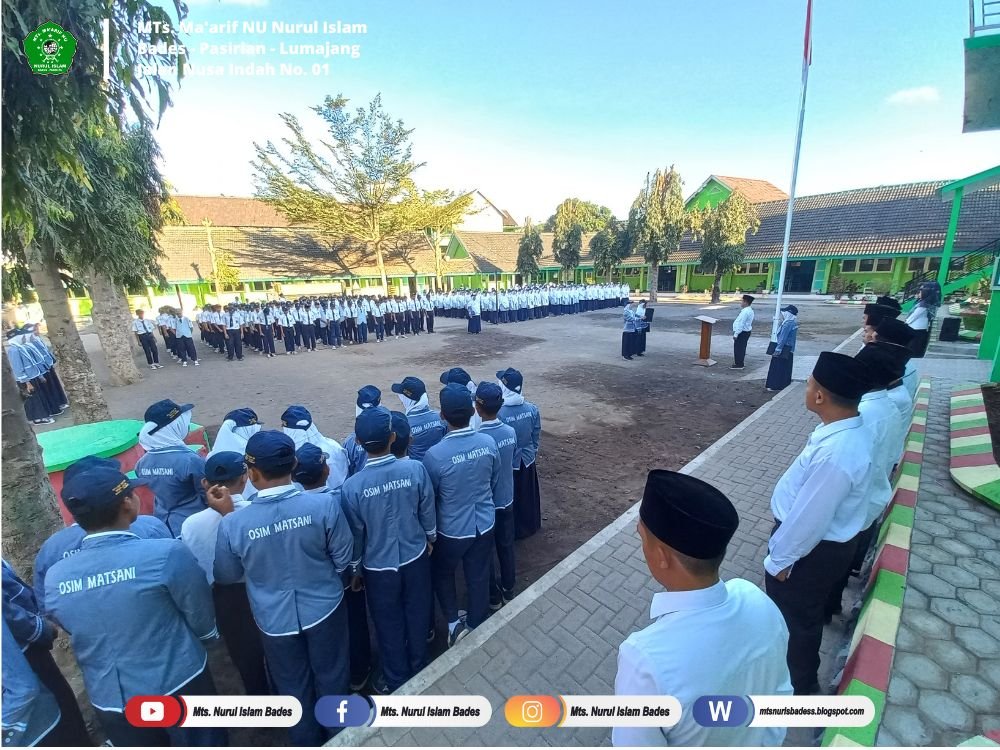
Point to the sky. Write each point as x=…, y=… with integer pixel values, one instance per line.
x=536, y=101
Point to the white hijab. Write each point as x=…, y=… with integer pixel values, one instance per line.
x=168, y=436
x=233, y=438
x=510, y=398
x=336, y=456
x=409, y=404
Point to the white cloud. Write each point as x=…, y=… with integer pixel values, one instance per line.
x=918, y=95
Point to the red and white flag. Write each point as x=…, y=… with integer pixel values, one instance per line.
x=807, y=49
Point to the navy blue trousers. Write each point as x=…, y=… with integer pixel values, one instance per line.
x=503, y=538
x=398, y=603
x=475, y=554
x=309, y=665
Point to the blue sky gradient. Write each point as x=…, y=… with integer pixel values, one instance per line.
x=533, y=102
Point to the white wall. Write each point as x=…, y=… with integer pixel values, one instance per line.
x=482, y=218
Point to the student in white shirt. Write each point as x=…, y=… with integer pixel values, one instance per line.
x=708, y=636
x=819, y=507
x=741, y=332
x=224, y=482
x=919, y=320
x=143, y=330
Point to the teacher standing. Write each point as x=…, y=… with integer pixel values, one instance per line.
x=779, y=374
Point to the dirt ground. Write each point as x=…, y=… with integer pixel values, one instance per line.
x=605, y=421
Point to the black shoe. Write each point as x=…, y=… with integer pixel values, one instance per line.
x=431, y=635
x=734, y=367
x=640, y=355
x=356, y=685
x=461, y=630
x=627, y=358
x=496, y=605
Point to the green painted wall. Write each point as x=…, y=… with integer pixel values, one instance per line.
x=730, y=282
x=894, y=279
x=710, y=196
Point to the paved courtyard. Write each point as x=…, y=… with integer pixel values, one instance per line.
x=562, y=634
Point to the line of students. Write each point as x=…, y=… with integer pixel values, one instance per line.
x=282, y=543
x=828, y=503
x=34, y=368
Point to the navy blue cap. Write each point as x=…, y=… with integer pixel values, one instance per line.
x=401, y=426
x=411, y=387
x=88, y=462
x=294, y=415
x=369, y=396
x=456, y=401
x=164, y=412
x=224, y=466
x=96, y=487
x=373, y=426
x=489, y=396
x=511, y=378
x=310, y=464
x=790, y=308
x=270, y=450
x=244, y=417
x=456, y=375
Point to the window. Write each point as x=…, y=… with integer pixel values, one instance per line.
x=915, y=265
x=262, y=286
x=867, y=264
x=883, y=265
x=933, y=264
x=849, y=266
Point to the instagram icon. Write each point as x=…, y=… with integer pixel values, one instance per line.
x=532, y=711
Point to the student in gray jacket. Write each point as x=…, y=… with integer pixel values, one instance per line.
x=465, y=469
x=292, y=547
x=390, y=506
x=526, y=420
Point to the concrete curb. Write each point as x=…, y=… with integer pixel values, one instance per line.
x=451, y=658
x=870, y=655
x=973, y=466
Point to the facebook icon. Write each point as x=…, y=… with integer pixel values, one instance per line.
x=343, y=711
x=721, y=711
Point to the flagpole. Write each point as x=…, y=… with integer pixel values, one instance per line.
x=806, y=60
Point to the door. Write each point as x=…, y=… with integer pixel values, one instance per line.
x=799, y=276
x=666, y=281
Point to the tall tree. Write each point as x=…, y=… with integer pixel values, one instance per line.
x=30, y=513
x=359, y=184
x=723, y=233
x=590, y=216
x=529, y=250
x=49, y=175
x=443, y=206
x=657, y=221
x=609, y=248
x=567, y=244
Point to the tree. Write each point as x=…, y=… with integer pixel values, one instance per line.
x=723, y=233
x=608, y=248
x=443, y=206
x=657, y=221
x=566, y=248
x=360, y=186
x=30, y=512
x=529, y=250
x=590, y=216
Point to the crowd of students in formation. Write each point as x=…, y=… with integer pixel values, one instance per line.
x=34, y=368
x=284, y=542
x=333, y=322
x=826, y=508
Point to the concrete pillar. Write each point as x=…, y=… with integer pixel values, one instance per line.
x=991, y=329
x=949, y=240
x=899, y=265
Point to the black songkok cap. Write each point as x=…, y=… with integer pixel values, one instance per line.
x=883, y=362
x=890, y=302
x=877, y=313
x=843, y=376
x=687, y=514
x=894, y=332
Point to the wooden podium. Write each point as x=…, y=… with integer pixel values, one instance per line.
x=705, y=350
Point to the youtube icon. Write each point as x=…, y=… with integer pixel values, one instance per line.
x=153, y=711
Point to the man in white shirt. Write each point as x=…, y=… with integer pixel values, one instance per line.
x=899, y=335
x=225, y=481
x=709, y=636
x=741, y=332
x=143, y=330
x=819, y=506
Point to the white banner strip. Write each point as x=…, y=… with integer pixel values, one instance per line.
x=241, y=711
x=620, y=711
x=812, y=711
x=431, y=711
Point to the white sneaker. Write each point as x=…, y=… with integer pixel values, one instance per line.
x=184, y=364
x=152, y=367
x=196, y=363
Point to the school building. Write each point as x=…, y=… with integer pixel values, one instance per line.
x=881, y=238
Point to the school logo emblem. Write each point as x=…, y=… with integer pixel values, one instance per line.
x=50, y=49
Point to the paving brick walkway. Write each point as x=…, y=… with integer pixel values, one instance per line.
x=945, y=684
x=562, y=634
